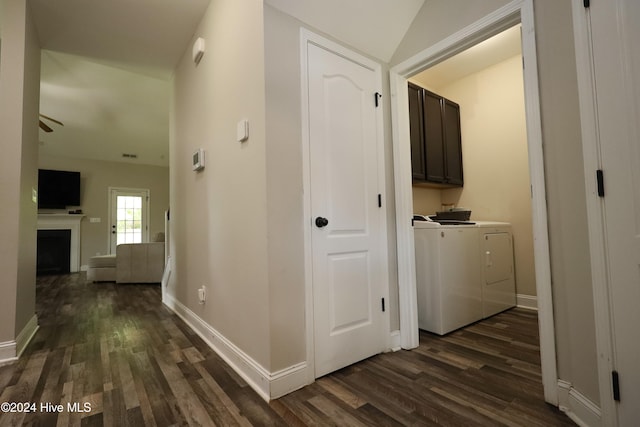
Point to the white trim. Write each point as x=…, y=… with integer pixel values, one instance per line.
x=7, y=352
x=595, y=220
x=394, y=340
x=26, y=334
x=308, y=37
x=529, y=302
x=269, y=385
x=306, y=185
x=10, y=351
x=577, y=406
x=503, y=18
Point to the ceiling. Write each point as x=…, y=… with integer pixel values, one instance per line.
x=106, y=66
x=106, y=69
x=375, y=27
x=492, y=51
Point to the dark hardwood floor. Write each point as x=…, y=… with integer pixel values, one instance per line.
x=118, y=350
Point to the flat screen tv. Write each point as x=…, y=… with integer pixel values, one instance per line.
x=58, y=189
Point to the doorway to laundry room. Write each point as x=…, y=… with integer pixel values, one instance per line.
x=486, y=82
x=499, y=152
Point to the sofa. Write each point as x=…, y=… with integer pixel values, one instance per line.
x=132, y=263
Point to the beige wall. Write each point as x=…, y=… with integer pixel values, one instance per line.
x=494, y=149
x=284, y=189
x=19, y=95
x=219, y=215
x=96, y=178
x=572, y=293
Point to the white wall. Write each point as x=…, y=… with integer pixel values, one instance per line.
x=19, y=95
x=219, y=215
x=96, y=178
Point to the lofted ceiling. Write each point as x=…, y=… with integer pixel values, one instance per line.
x=106, y=66
x=106, y=69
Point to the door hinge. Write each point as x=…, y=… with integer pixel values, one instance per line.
x=600, y=180
x=383, y=309
x=377, y=97
x=586, y=3
x=379, y=200
x=615, y=384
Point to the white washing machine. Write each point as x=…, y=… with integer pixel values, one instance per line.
x=498, y=275
x=447, y=273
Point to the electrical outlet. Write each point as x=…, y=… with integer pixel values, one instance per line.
x=202, y=295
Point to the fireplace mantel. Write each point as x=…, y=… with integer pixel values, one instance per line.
x=71, y=222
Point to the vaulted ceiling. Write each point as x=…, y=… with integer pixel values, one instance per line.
x=106, y=66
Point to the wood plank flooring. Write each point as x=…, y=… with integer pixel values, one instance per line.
x=120, y=352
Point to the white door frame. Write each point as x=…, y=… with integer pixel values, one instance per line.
x=595, y=218
x=517, y=11
x=146, y=202
x=307, y=37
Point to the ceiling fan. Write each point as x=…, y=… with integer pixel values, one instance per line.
x=44, y=126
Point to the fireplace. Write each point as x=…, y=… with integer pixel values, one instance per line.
x=54, y=252
x=68, y=223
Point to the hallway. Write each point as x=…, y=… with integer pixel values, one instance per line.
x=114, y=356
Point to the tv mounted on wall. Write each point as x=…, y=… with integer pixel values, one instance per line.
x=58, y=189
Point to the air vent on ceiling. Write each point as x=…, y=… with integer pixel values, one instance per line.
x=130, y=156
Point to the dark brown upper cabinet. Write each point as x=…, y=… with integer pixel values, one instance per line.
x=436, y=143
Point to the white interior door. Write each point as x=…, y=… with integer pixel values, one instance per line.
x=128, y=221
x=616, y=61
x=348, y=238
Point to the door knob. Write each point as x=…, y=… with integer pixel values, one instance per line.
x=321, y=222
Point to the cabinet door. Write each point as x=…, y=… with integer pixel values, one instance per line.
x=452, y=143
x=434, y=134
x=416, y=130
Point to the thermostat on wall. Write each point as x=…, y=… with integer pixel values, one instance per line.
x=198, y=160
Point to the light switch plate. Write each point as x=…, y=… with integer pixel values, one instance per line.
x=242, y=133
x=198, y=50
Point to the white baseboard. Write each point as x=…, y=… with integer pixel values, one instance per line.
x=7, y=352
x=394, y=341
x=24, y=337
x=10, y=351
x=578, y=407
x=529, y=302
x=269, y=385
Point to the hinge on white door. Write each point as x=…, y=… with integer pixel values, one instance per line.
x=377, y=97
x=586, y=3
x=600, y=181
x=379, y=200
x=615, y=384
x=383, y=309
